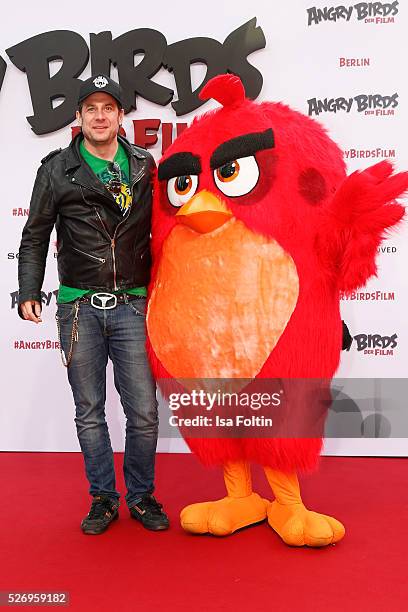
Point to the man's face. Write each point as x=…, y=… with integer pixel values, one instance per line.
x=100, y=118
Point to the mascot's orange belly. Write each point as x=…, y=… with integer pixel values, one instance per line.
x=220, y=302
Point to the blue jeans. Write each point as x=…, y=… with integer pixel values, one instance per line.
x=118, y=334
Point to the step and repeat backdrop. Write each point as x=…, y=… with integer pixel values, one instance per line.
x=343, y=65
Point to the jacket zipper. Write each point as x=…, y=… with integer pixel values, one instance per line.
x=88, y=255
x=114, y=261
x=137, y=177
x=113, y=243
x=112, y=239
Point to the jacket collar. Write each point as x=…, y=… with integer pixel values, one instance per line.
x=80, y=173
x=74, y=158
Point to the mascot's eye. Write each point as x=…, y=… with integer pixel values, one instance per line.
x=238, y=177
x=181, y=188
x=228, y=172
x=182, y=185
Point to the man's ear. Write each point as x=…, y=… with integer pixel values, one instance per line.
x=78, y=117
x=121, y=115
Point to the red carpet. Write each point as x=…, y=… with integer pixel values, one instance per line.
x=44, y=496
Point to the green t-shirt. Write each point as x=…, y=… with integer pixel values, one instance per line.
x=115, y=175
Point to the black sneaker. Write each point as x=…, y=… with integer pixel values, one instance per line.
x=149, y=512
x=103, y=511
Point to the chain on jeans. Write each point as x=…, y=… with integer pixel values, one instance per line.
x=74, y=337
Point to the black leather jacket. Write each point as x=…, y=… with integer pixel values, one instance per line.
x=98, y=247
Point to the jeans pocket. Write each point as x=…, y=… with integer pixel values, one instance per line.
x=64, y=312
x=138, y=306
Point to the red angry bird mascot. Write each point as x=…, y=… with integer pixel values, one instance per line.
x=256, y=230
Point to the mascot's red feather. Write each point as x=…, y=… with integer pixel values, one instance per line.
x=256, y=230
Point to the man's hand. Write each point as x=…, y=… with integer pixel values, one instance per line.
x=31, y=311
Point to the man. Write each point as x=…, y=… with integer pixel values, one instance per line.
x=97, y=192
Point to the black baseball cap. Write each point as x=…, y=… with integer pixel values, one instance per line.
x=100, y=83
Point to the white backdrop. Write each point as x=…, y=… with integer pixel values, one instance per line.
x=300, y=62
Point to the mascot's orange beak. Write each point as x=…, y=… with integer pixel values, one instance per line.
x=204, y=212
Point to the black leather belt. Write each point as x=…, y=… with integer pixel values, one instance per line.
x=103, y=300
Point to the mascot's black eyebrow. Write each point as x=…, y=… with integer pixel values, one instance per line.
x=242, y=146
x=179, y=164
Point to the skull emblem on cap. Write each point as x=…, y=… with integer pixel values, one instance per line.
x=100, y=82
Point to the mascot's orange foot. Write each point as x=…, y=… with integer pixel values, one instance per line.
x=298, y=526
x=224, y=516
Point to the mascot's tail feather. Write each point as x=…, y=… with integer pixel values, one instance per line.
x=361, y=212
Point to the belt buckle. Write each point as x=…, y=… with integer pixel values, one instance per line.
x=104, y=298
